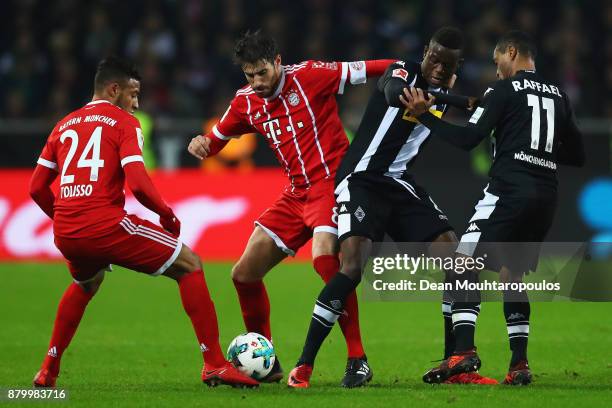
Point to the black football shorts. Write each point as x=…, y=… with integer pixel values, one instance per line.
x=507, y=229
x=372, y=205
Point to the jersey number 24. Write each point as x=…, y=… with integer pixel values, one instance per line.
x=93, y=146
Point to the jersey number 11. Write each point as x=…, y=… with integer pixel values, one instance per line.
x=549, y=106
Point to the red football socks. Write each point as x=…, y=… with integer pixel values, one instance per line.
x=327, y=266
x=201, y=310
x=69, y=313
x=255, y=306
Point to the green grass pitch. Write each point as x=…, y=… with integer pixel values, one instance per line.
x=135, y=346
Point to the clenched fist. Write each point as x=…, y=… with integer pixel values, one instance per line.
x=199, y=147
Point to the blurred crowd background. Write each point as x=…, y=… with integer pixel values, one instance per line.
x=183, y=48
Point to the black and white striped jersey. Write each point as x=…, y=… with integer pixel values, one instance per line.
x=388, y=139
x=532, y=127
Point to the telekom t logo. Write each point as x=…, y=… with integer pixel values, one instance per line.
x=272, y=128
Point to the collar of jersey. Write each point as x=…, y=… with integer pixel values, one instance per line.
x=98, y=101
x=279, y=88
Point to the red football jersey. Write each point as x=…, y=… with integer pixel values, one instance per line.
x=300, y=120
x=89, y=148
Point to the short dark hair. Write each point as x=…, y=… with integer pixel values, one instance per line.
x=449, y=37
x=255, y=46
x=114, y=69
x=519, y=40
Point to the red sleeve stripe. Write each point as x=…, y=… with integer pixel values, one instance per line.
x=47, y=163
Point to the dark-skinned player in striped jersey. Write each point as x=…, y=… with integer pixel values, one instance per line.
x=375, y=191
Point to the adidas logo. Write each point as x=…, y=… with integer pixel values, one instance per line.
x=257, y=115
x=515, y=316
x=203, y=347
x=473, y=227
x=52, y=352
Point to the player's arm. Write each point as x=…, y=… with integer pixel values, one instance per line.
x=571, y=146
x=373, y=68
x=332, y=77
x=481, y=124
x=232, y=124
x=468, y=103
x=138, y=180
x=395, y=78
x=142, y=187
x=40, y=187
x=44, y=175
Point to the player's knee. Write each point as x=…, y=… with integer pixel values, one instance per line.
x=187, y=261
x=444, y=245
x=324, y=243
x=192, y=261
x=352, y=270
x=241, y=272
x=92, y=286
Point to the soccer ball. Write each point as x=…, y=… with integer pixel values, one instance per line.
x=252, y=354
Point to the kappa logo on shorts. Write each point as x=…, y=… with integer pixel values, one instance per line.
x=203, y=347
x=473, y=227
x=336, y=304
x=359, y=214
x=343, y=208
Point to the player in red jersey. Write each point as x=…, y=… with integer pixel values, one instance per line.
x=295, y=107
x=94, y=150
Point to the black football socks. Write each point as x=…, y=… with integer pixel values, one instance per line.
x=327, y=310
x=465, y=310
x=447, y=315
x=517, y=314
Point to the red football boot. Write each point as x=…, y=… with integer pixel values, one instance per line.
x=470, y=378
x=44, y=379
x=460, y=362
x=519, y=374
x=299, y=377
x=227, y=375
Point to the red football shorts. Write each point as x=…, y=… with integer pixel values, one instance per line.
x=134, y=243
x=295, y=217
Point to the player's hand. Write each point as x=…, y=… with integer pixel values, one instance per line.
x=416, y=102
x=451, y=81
x=170, y=223
x=199, y=147
x=473, y=102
